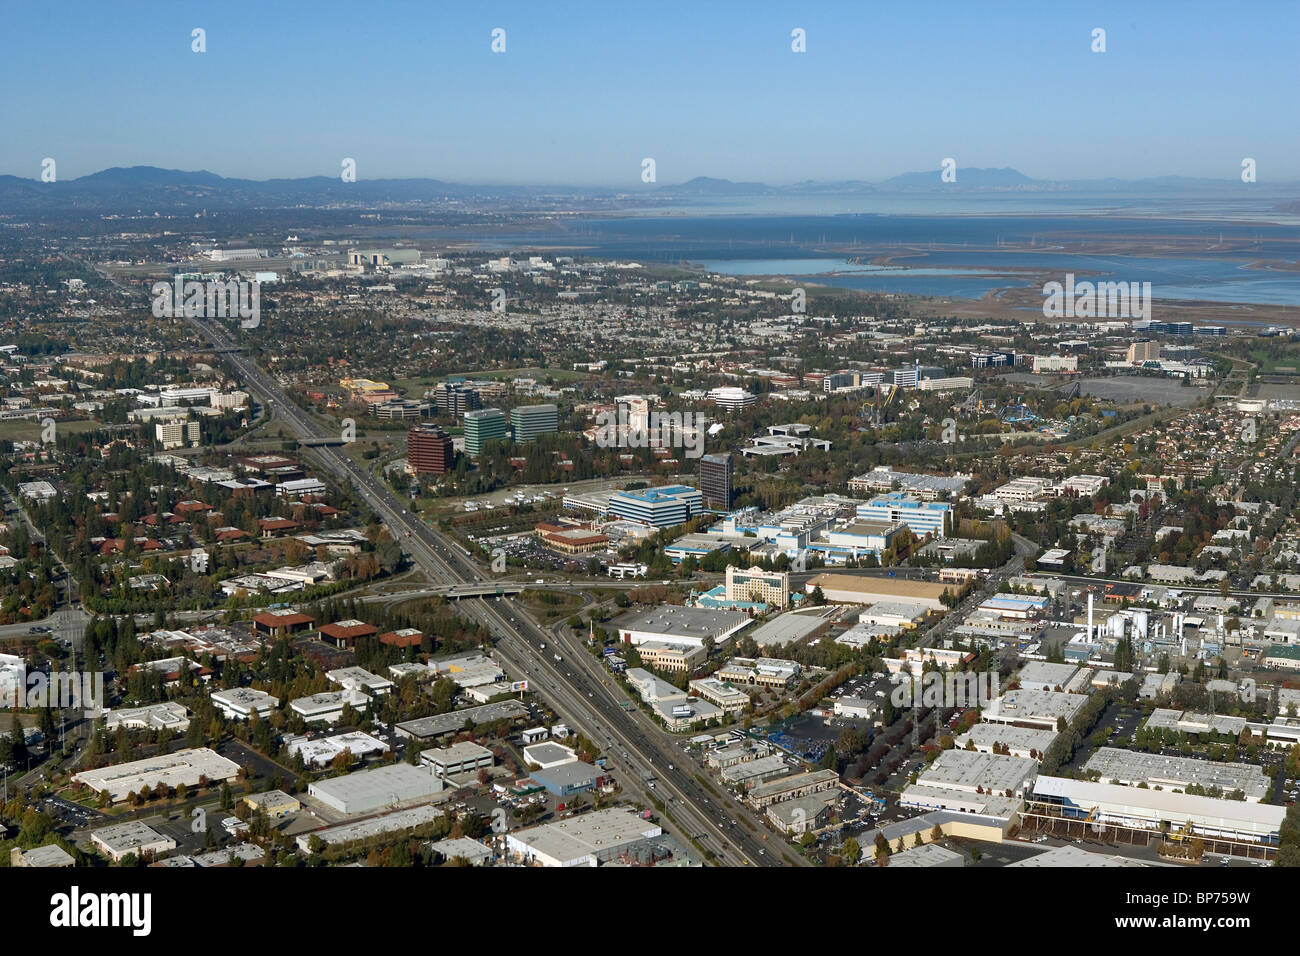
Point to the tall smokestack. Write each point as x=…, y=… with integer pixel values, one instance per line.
x=1089, y=617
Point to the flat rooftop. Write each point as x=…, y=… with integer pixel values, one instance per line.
x=671, y=621
x=435, y=726
x=789, y=628
x=1041, y=672
x=182, y=767
x=1131, y=767
x=601, y=831
x=1071, y=855
x=974, y=769
x=1017, y=738
x=380, y=787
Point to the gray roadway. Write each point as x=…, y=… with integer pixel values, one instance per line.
x=694, y=810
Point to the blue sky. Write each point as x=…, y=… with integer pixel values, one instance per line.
x=584, y=91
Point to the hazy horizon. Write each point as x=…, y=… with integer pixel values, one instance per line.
x=581, y=94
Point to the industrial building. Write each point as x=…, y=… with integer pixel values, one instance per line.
x=1037, y=708
x=385, y=825
x=51, y=856
x=566, y=779
x=747, y=774
x=854, y=589
x=686, y=626
x=427, y=728
x=1076, y=856
x=587, y=840
x=383, y=787
x=1134, y=808
x=463, y=848
x=182, y=768
x=927, y=855
x=1040, y=675
x=274, y=803
x=1019, y=741
x=1131, y=768
x=975, y=772
x=328, y=707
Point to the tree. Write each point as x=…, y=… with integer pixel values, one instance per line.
x=851, y=852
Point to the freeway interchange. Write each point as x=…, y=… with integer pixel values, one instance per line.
x=575, y=684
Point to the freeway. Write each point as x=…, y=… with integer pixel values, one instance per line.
x=633, y=741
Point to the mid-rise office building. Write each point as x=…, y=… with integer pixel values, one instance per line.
x=529, y=421
x=454, y=399
x=482, y=426
x=921, y=517
x=715, y=482
x=755, y=584
x=659, y=507
x=429, y=450
x=1145, y=351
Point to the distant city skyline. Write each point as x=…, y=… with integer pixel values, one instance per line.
x=583, y=94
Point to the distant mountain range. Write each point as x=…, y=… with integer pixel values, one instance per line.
x=148, y=187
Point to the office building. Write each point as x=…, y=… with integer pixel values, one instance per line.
x=124, y=839
x=429, y=450
x=463, y=757
x=715, y=482
x=454, y=399
x=658, y=507
x=177, y=434
x=529, y=421
x=1147, y=351
x=921, y=517
x=482, y=426
x=755, y=584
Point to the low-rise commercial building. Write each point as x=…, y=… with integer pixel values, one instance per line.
x=133, y=837
x=802, y=814
x=587, y=840
x=182, y=768
x=239, y=703
x=383, y=787
x=1207, y=777
x=788, y=788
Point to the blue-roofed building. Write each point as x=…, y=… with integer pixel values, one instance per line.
x=567, y=779
x=921, y=517
x=658, y=507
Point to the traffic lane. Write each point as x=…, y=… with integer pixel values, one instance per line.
x=690, y=794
